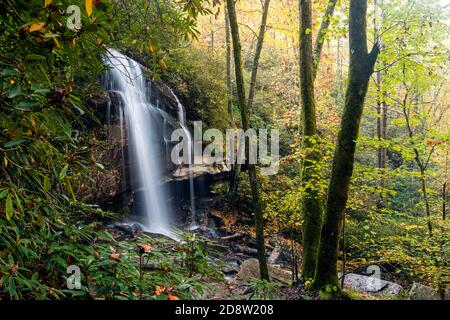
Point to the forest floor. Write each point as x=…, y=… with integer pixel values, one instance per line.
x=232, y=250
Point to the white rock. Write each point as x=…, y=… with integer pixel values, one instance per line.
x=359, y=282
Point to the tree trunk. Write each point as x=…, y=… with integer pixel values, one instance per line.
x=427, y=203
x=360, y=69
x=444, y=187
x=444, y=200
x=311, y=202
x=259, y=45
x=420, y=163
x=320, y=39
x=234, y=167
x=234, y=176
x=384, y=119
x=245, y=114
x=381, y=118
x=229, y=83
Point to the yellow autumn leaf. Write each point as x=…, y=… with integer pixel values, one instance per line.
x=57, y=42
x=89, y=7
x=36, y=27
x=47, y=2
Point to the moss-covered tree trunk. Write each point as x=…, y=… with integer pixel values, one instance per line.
x=235, y=168
x=228, y=62
x=245, y=114
x=360, y=69
x=311, y=202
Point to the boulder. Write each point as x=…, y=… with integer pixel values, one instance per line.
x=362, y=283
x=231, y=268
x=128, y=230
x=281, y=255
x=184, y=172
x=250, y=270
x=421, y=292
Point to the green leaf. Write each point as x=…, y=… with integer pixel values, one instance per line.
x=33, y=56
x=4, y=193
x=63, y=172
x=102, y=167
x=69, y=189
x=12, y=288
x=47, y=183
x=81, y=111
x=26, y=104
x=9, y=72
x=13, y=143
x=9, y=208
x=15, y=91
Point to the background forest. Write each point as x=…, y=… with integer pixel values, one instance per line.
x=53, y=142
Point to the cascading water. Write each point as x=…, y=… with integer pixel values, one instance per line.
x=141, y=117
x=187, y=134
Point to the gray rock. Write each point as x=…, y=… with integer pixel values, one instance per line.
x=250, y=270
x=364, y=283
x=421, y=292
x=185, y=172
x=281, y=254
x=128, y=230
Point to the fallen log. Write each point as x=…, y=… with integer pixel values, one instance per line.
x=234, y=237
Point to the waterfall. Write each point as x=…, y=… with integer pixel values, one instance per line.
x=142, y=120
x=187, y=134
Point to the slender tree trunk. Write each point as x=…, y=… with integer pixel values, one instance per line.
x=444, y=187
x=229, y=82
x=380, y=150
x=427, y=203
x=320, y=39
x=444, y=200
x=339, y=70
x=361, y=67
x=381, y=116
x=245, y=114
x=259, y=45
x=312, y=209
x=421, y=164
x=384, y=120
x=235, y=168
x=344, y=256
x=234, y=177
